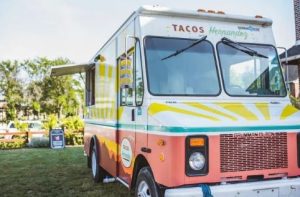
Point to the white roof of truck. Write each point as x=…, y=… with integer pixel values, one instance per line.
x=164, y=11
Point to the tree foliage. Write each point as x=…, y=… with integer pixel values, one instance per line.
x=28, y=85
x=11, y=87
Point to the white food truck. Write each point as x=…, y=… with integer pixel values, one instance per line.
x=191, y=103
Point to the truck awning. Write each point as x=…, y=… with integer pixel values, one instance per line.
x=70, y=69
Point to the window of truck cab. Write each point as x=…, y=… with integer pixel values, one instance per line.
x=251, y=76
x=190, y=73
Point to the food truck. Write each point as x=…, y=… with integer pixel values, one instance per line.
x=191, y=103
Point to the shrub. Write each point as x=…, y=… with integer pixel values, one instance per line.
x=51, y=122
x=73, y=138
x=12, y=145
x=39, y=142
x=73, y=123
x=73, y=126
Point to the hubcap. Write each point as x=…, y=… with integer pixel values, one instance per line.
x=94, y=163
x=143, y=190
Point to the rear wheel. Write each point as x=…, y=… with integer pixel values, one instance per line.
x=97, y=171
x=88, y=159
x=145, y=185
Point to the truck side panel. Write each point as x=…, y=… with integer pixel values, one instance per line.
x=101, y=117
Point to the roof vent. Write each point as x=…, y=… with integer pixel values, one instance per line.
x=201, y=10
x=211, y=11
x=259, y=16
x=221, y=12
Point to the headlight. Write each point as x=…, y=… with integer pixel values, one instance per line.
x=197, y=161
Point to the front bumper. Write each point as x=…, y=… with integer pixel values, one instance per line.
x=278, y=188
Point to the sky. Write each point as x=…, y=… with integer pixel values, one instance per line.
x=76, y=29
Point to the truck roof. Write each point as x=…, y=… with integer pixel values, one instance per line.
x=164, y=11
x=217, y=16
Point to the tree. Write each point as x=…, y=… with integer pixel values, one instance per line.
x=28, y=85
x=11, y=87
x=52, y=95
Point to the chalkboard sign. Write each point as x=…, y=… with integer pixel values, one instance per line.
x=57, y=138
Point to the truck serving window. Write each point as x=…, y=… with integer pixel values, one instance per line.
x=247, y=74
x=177, y=72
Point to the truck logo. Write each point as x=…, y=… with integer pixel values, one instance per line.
x=249, y=28
x=228, y=33
x=126, y=153
x=188, y=28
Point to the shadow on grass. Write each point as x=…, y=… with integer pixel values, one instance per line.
x=46, y=172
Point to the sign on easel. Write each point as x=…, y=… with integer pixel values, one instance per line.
x=57, y=139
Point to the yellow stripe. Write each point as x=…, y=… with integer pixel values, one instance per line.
x=156, y=108
x=102, y=69
x=264, y=109
x=239, y=109
x=111, y=145
x=120, y=112
x=125, y=63
x=288, y=111
x=110, y=71
x=206, y=108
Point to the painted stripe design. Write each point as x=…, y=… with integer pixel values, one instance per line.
x=235, y=111
x=196, y=129
x=239, y=109
x=209, y=109
x=288, y=111
x=157, y=108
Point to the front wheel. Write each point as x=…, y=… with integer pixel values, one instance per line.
x=145, y=185
x=97, y=171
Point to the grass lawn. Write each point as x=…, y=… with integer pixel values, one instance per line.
x=46, y=172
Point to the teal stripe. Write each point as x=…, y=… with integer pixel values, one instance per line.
x=221, y=129
x=196, y=129
x=101, y=123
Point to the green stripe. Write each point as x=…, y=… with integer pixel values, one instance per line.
x=221, y=129
x=101, y=123
x=196, y=129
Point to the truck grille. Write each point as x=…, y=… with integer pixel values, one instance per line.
x=253, y=151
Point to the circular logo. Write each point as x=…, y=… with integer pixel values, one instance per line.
x=126, y=153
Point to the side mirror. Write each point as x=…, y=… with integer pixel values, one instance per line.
x=286, y=54
x=286, y=72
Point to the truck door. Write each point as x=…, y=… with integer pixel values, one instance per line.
x=131, y=90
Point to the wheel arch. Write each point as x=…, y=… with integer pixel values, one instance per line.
x=139, y=163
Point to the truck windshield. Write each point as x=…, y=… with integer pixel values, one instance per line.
x=246, y=75
x=190, y=73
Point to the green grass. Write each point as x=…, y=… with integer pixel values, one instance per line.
x=46, y=172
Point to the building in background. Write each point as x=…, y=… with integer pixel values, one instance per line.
x=291, y=64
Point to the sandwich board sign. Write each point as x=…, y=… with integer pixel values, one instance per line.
x=57, y=138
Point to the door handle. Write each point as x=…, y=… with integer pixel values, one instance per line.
x=133, y=115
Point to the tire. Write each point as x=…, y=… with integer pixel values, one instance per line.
x=145, y=184
x=97, y=171
x=89, y=163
